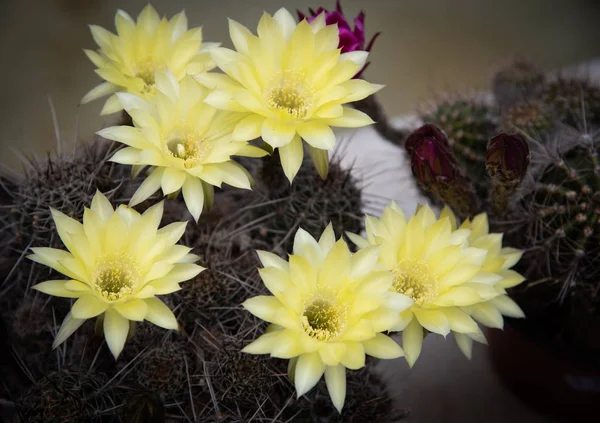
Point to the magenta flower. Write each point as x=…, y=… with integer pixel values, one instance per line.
x=350, y=40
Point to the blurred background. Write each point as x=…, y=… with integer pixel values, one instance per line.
x=428, y=48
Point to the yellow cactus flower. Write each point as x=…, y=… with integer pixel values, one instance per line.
x=117, y=262
x=187, y=143
x=498, y=261
x=291, y=81
x=435, y=265
x=327, y=311
x=128, y=60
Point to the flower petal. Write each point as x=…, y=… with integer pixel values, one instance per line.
x=88, y=306
x=382, y=346
x=354, y=358
x=172, y=180
x=433, y=320
x=127, y=155
x=160, y=314
x=263, y=306
x=277, y=134
x=124, y=134
x=507, y=306
x=272, y=260
x=320, y=159
x=67, y=328
x=263, y=344
x=306, y=246
x=291, y=156
x=309, y=370
x=132, y=310
x=193, y=195
x=317, y=135
x=56, y=288
x=99, y=91
x=327, y=239
x=335, y=378
x=112, y=105
x=116, y=329
x=412, y=341
x=487, y=315
x=459, y=320
x=150, y=185
x=332, y=352
x=102, y=206
x=351, y=118
x=363, y=262
x=465, y=344
x=248, y=128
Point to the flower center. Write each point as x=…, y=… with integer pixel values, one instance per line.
x=189, y=147
x=290, y=93
x=145, y=70
x=116, y=276
x=323, y=320
x=414, y=279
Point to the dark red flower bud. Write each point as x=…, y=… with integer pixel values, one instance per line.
x=431, y=156
x=437, y=171
x=507, y=158
x=425, y=131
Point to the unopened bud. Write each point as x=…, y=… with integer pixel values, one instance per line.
x=507, y=158
x=437, y=171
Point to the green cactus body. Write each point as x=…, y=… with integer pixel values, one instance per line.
x=516, y=83
x=569, y=97
x=69, y=396
x=532, y=117
x=567, y=203
x=310, y=203
x=558, y=227
x=469, y=126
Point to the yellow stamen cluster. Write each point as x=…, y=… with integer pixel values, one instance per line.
x=290, y=93
x=187, y=146
x=323, y=319
x=116, y=276
x=145, y=69
x=414, y=279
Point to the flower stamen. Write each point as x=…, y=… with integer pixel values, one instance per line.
x=290, y=93
x=414, y=279
x=188, y=147
x=323, y=320
x=116, y=276
x=145, y=70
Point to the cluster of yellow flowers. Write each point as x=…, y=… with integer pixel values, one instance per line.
x=330, y=307
x=285, y=84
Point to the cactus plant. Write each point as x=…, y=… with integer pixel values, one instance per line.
x=199, y=372
x=69, y=396
x=516, y=83
x=309, y=203
x=573, y=100
x=541, y=189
